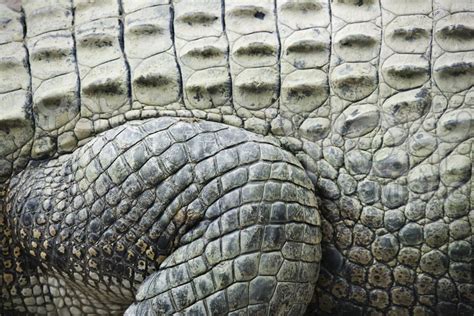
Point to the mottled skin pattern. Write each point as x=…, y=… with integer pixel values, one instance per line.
x=242, y=157
x=220, y=204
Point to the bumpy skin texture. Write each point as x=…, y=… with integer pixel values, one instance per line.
x=234, y=216
x=372, y=99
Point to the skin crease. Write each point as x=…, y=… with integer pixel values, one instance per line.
x=237, y=157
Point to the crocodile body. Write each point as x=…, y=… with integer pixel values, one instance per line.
x=237, y=157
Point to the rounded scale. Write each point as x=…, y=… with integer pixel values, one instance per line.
x=304, y=90
x=156, y=80
x=357, y=120
x=358, y=42
x=409, y=34
x=390, y=162
x=454, y=72
x=455, y=32
x=303, y=14
x=456, y=126
x=307, y=48
x=256, y=88
x=406, y=106
x=256, y=50
x=208, y=88
x=406, y=71
x=204, y=53
x=354, y=81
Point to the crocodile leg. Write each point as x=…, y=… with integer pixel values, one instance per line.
x=234, y=215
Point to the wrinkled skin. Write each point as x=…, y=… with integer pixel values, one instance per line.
x=237, y=157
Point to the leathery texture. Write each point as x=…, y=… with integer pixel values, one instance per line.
x=222, y=221
x=374, y=98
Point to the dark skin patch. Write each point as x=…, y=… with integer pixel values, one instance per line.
x=259, y=15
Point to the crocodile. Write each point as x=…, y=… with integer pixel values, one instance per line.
x=239, y=157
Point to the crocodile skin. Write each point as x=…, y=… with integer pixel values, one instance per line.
x=233, y=214
x=237, y=157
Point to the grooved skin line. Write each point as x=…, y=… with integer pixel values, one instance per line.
x=275, y=12
x=28, y=66
x=122, y=47
x=78, y=94
x=224, y=31
x=173, y=38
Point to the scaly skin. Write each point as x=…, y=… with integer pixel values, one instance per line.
x=220, y=204
x=358, y=111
